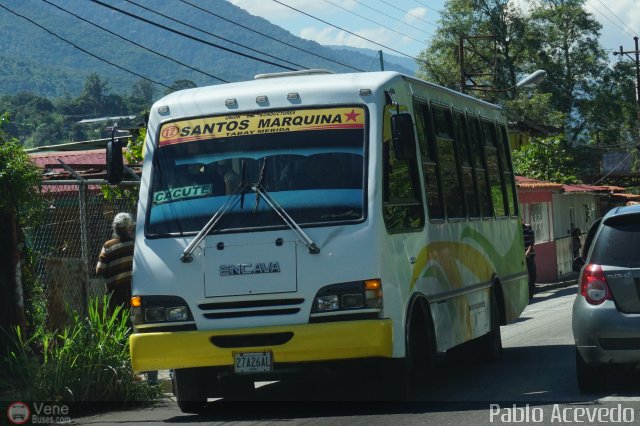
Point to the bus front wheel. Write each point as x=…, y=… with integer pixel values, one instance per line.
x=190, y=390
x=402, y=375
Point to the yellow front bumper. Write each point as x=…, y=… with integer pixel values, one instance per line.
x=310, y=342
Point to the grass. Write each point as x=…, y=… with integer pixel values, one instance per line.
x=87, y=361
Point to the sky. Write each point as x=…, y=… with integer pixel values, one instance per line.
x=407, y=25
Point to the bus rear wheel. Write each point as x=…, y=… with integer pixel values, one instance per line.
x=491, y=343
x=190, y=390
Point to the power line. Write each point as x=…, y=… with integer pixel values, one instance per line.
x=408, y=13
x=350, y=32
x=83, y=50
x=371, y=20
x=391, y=17
x=131, y=15
x=427, y=6
x=213, y=35
x=268, y=36
x=610, y=20
x=621, y=21
x=134, y=43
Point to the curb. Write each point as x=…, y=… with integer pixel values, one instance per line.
x=540, y=287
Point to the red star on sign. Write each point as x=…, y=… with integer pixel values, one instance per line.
x=352, y=115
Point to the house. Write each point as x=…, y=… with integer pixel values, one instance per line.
x=555, y=210
x=536, y=208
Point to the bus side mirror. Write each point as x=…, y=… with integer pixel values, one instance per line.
x=114, y=161
x=404, y=141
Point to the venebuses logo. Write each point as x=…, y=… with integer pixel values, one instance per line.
x=18, y=413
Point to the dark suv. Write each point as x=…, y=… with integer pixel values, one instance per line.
x=606, y=312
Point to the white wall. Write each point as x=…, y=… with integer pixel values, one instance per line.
x=577, y=209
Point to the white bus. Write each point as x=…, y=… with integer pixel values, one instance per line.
x=308, y=218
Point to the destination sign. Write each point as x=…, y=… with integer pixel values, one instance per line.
x=293, y=120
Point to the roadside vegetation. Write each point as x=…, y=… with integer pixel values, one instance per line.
x=87, y=361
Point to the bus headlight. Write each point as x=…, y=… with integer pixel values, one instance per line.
x=162, y=314
x=155, y=314
x=158, y=309
x=349, y=296
x=327, y=303
x=177, y=313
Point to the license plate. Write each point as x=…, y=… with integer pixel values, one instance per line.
x=252, y=362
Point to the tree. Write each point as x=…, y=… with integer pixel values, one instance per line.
x=19, y=178
x=610, y=115
x=495, y=31
x=547, y=159
x=565, y=44
x=505, y=56
x=180, y=85
x=92, y=98
x=141, y=96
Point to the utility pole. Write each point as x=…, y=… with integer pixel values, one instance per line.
x=637, y=60
x=474, y=63
x=381, y=60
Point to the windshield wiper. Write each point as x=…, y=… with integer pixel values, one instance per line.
x=238, y=195
x=259, y=183
x=261, y=192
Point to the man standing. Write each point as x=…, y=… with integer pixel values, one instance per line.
x=530, y=254
x=115, y=262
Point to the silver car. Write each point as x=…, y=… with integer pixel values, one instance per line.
x=606, y=312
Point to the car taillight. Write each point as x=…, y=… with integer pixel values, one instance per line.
x=593, y=285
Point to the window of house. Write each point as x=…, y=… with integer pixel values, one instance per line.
x=539, y=220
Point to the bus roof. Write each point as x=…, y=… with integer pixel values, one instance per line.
x=306, y=81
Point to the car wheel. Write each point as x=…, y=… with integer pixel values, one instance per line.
x=591, y=377
x=190, y=390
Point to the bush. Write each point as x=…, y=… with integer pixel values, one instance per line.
x=87, y=361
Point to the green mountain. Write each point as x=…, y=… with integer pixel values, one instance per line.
x=34, y=57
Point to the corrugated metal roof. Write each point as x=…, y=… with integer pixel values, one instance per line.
x=93, y=156
x=628, y=197
x=535, y=184
x=590, y=188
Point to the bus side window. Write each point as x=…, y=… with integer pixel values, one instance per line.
x=402, y=207
x=466, y=163
x=494, y=166
x=432, y=183
x=507, y=170
x=448, y=162
x=480, y=167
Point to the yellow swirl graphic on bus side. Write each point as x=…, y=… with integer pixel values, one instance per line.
x=446, y=254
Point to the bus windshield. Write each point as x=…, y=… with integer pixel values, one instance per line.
x=311, y=162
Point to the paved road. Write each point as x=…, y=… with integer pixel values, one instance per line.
x=533, y=381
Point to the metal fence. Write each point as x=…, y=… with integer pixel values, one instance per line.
x=68, y=241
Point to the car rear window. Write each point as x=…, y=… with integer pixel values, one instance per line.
x=618, y=243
